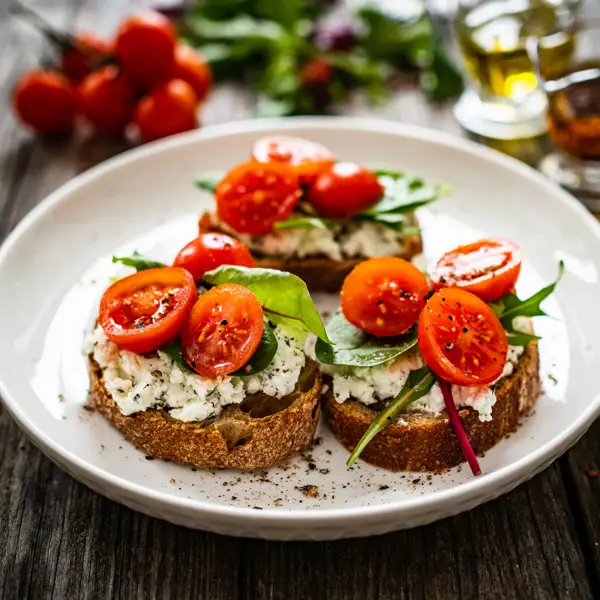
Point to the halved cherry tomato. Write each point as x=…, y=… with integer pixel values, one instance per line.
x=145, y=47
x=461, y=339
x=252, y=197
x=344, y=190
x=223, y=330
x=146, y=310
x=211, y=250
x=307, y=158
x=384, y=296
x=488, y=268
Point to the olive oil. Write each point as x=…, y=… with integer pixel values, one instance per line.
x=574, y=111
x=493, y=37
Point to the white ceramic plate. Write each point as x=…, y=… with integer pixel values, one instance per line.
x=56, y=263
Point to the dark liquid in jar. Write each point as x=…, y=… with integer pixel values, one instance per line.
x=574, y=112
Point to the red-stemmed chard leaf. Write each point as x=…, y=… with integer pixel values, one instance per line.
x=456, y=423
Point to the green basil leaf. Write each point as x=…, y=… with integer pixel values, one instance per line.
x=351, y=347
x=138, y=262
x=303, y=223
x=282, y=295
x=175, y=352
x=417, y=385
x=210, y=180
x=263, y=356
x=510, y=306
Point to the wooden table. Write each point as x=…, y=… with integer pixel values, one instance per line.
x=58, y=539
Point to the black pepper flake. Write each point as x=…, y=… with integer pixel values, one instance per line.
x=465, y=330
x=451, y=317
x=149, y=457
x=223, y=322
x=384, y=487
x=312, y=466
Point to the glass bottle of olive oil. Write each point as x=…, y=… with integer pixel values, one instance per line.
x=492, y=35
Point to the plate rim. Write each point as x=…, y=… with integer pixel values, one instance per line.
x=500, y=479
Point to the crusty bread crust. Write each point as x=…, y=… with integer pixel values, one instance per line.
x=320, y=274
x=427, y=442
x=247, y=436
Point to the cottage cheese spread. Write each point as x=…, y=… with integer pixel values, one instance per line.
x=352, y=240
x=373, y=384
x=139, y=382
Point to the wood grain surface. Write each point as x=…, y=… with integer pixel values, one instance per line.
x=60, y=540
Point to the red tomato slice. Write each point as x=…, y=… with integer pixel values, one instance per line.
x=252, y=197
x=461, y=339
x=223, y=330
x=344, y=190
x=147, y=310
x=211, y=250
x=307, y=158
x=384, y=296
x=488, y=268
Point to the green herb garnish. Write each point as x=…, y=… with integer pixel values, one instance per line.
x=351, y=347
x=417, y=385
x=138, y=261
x=510, y=306
x=210, y=180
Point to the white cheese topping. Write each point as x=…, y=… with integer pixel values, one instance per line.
x=361, y=239
x=374, y=384
x=138, y=382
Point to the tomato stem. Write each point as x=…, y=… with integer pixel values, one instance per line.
x=459, y=430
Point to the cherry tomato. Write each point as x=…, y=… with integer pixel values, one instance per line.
x=252, y=197
x=168, y=109
x=223, y=330
x=488, y=268
x=87, y=53
x=45, y=101
x=307, y=158
x=211, y=250
x=193, y=69
x=343, y=190
x=384, y=296
x=317, y=71
x=106, y=100
x=461, y=339
x=145, y=47
x=147, y=310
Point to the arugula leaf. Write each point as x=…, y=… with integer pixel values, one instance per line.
x=263, y=355
x=521, y=339
x=175, y=352
x=210, y=180
x=351, y=347
x=282, y=295
x=417, y=385
x=138, y=261
x=510, y=306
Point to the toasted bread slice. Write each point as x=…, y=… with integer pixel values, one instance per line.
x=321, y=274
x=258, y=433
x=426, y=442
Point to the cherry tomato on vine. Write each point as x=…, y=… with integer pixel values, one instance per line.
x=168, y=109
x=223, y=330
x=252, y=197
x=147, y=310
x=106, y=99
x=488, y=268
x=384, y=296
x=45, y=101
x=145, y=48
x=461, y=339
x=193, y=69
x=344, y=190
x=88, y=52
x=211, y=250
